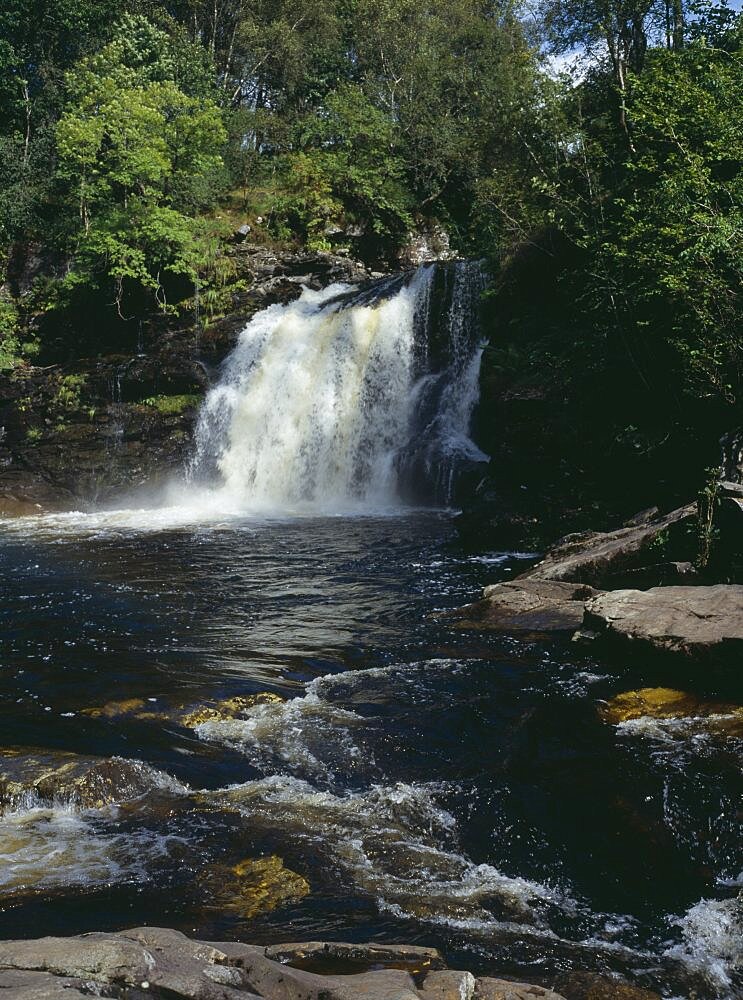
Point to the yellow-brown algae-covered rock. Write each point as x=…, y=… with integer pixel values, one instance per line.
x=253, y=886
x=662, y=703
x=136, y=707
x=229, y=708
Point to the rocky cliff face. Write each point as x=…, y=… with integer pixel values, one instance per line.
x=81, y=432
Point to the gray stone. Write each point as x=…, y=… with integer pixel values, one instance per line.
x=705, y=623
x=161, y=963
x=591, y=986
x=591, y=557
x=731, y=489
x=528, y=604
x=448, y=985
x=23, y=985
x=642, y=517
x=382, y=984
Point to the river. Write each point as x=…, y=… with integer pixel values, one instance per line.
x=423, y=785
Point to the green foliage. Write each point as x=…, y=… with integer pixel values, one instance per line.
x=172, y=405
x=68, y=395
x=347, y=173
x=10, y=348
x=708, y=504
x=134, y=148
x=16, y=348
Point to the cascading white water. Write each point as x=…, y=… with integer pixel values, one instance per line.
x=330, y=402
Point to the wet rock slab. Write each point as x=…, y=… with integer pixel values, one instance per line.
x=700, y=623
x=528, y=604
x=163, y=963
x=156, y=962
x=574, y=589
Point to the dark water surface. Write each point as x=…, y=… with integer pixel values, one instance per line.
x=430, y=786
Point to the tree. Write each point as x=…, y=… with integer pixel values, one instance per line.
x=130, y=143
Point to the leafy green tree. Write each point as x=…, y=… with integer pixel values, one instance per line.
x=129, y=142
x=349, y=171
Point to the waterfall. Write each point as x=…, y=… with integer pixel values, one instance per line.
x=348, y=398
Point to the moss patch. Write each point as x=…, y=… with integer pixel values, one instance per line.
x=170, y=405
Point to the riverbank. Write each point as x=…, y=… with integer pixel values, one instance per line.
x=638, y=590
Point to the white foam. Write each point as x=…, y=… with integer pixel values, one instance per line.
x=44, y=848
x=679, y=728
x=712, y=942
x=396, y=843
x=308, y=735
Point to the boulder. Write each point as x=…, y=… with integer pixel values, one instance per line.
x=157, y=962
x=21, y=985
x=528, y=604
x=448, y=985
x=592, y=557
x=324, y=953
x=642, y=517
x=703, y=623
x=663, y=703
x=253, y=886
x=165, y=964
x=85, y=782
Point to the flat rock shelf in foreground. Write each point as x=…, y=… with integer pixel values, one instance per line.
x=158, y=962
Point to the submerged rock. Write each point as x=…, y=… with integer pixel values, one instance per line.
x=229, y=708
x=83, y=782
x=703, y=623
x=590, y=986
x=253, y=886
x=663, y=703
x=191, y=715
x=528, y=604
x=135, y=707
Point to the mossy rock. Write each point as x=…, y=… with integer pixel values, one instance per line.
x=252, y=886
x=229, y=708
x=663, y=703
x=82, y=782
